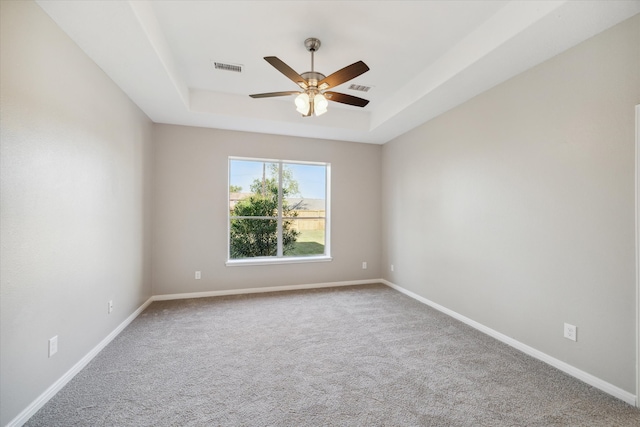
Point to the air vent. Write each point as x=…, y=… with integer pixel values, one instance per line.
x=237, y=68
x=360, y=88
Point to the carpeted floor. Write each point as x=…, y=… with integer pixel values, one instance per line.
x=351, y=356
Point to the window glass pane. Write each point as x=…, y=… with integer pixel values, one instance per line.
x=309, y=198
x=250, y=237
x=311, y=236
x=253, y=188
x=302, y=181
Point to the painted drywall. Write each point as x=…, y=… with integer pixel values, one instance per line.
x=75, y=205
x=516, y=209
x=190, y=209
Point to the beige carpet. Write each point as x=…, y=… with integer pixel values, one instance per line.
x=353, y=356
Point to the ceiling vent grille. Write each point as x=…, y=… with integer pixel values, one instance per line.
x=360, y=88
x=237, y=68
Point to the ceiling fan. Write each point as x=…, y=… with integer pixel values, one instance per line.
x=314, y=96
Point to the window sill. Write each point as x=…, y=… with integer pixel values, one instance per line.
x=270, y=261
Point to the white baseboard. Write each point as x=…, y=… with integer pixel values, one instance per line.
x=559, y=364
x=41, y=400
x=261, y=290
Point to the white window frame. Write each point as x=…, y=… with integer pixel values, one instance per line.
x=280, y=258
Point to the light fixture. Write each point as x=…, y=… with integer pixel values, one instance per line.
x=303, y=104
x=320, y=104
x=311, y=102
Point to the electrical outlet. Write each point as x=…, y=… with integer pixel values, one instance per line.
x=110, y=307
x=392, y=268
x=198, y=275
x=570, y=332
x=53, y=346
x=364, y=265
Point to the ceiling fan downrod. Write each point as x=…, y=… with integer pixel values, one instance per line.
x=312, y=45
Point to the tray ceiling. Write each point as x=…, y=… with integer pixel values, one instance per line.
x=426, y=57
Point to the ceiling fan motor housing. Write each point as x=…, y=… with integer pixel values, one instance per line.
x=313, y=77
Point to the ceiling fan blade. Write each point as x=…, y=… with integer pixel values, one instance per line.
x=344, y=75
x=346, y=99
x=271, y=94
x=287, y=71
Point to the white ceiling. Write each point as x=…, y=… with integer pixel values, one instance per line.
x=425, y=57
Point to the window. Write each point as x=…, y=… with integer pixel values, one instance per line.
x=278, y=211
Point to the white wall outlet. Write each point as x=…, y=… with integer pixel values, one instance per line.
x=110, y=307
x=392, y=267
x=364, y=265
x=570, y=332
x=53, y=345
x=198, y=275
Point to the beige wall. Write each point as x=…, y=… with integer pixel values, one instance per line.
x=516, y=209
x=75, y=194
x=191, y=207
